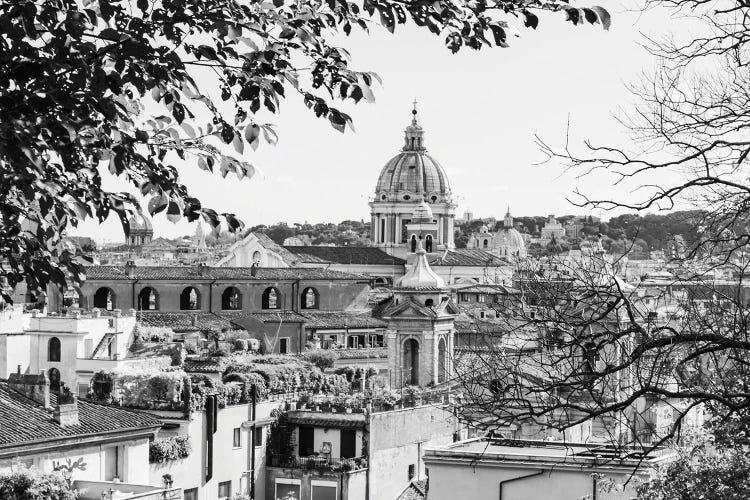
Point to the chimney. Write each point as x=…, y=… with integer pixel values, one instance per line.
x=130, y=268
x=34, y=387
x=66, y=411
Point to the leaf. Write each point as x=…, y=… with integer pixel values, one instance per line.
x=604, y=16
x=252, y=131
x=239, y=146
x=188, y=130
x=157, y=204
x=203, y=164
x=530, y=20
x=499, y=34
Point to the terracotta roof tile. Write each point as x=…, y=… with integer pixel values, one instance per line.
x=24, y=421
x=325, y=419
x=186, y=321
x=220, y=273
x=344, y=255
x=342, y=319
x=468, y=257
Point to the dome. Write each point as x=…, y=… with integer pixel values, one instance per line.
x=423, y=213
x=509, y=241
x=413, y=174
x=139, y=222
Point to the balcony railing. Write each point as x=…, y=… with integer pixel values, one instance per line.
x=317, y=463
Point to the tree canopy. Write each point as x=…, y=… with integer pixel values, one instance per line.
x=93, y=86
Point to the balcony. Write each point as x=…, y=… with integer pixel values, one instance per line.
x=318, y=463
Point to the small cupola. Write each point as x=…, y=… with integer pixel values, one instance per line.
x=414, y=135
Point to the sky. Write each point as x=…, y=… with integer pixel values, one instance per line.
x=481, y=110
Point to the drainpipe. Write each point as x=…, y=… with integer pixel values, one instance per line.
x=538, y=473
x=252, y=447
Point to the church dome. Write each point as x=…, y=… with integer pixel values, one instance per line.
x=423, y=213
x=138, y=222
x=421, y=275
x=509, y=242
x=413, y=174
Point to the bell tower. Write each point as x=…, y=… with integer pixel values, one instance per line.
x=420, y=330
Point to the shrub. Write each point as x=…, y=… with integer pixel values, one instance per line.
x=178, y=354
x=240, y=344
x=232, y=335
x=153, y=333
x=170, y=448
x=26, y=484
x=322, y=358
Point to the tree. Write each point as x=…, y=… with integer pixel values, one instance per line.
x=110, y=86
x=621, y=354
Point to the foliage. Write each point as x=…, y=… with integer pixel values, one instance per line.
x=143, y=387
x=322, y=358
x=30, y=484
x=109, y=86
x=239, y=345
x=284, y=374
x=145, y=333
x=169, y=448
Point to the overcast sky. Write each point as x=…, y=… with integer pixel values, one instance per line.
x=481, y=111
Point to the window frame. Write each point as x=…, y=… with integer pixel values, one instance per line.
x=236, y=438
x=287, y=342
x=192, y=491
x=218, y=490
x=282, y=480
x=258, y=433
x=323, y=484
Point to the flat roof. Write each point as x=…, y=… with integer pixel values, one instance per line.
x=513, y=452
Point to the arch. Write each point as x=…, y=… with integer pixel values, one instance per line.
x=310, y=298
x=429, y=302
x=381, y=281
x=485, y=243
x=231, y=299
x=53, y=349
x=413, y=243
x=442, y=361
x=411, y=362
x=148, y=299
x=190, y=299
x=104, y=298
x=54, y=379
x=271, y=298
x=256, y=257
x=428, y=243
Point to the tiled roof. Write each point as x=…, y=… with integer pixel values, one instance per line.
x=342, y=319
x=203, y=365
x=185, y=321
x=180, y=273
x=417, y=490
x=275, y=317
x=24, y=421
x=468, y=257
x=344, y=255
x=488, y=289
x=325, y=419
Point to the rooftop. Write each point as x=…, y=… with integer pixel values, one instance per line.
x=25, y=421
x=468, y=257
x=342, y=319
x=185, y=273
x=344, y=255
x=540, y=453
x=325, y=419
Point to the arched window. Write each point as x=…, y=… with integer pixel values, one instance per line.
x=148, y=299
x=428, y=244
x=484, y=244
x=382, y=230
x=190, y=299
x=104, y=298
x=231, y=299
x=411, y=363
x=442, y=361
x=310, y=298
x=256, y=256
x=413, y=243
x=54, y=379
x=53, y=349
x=271, y=299
x=429, y=302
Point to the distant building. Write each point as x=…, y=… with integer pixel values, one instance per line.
x=506, y=242
x=552, y=230
x=141, y=231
